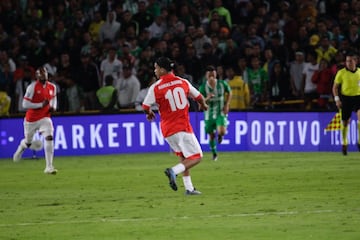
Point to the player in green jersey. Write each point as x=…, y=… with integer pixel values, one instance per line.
x=347, y=80
x=217, y=94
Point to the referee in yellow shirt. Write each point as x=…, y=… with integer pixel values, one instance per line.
x=347, y=80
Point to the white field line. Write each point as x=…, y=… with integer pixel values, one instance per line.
x=111, y=220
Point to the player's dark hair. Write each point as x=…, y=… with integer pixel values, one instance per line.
x=165, y=63
x=351, y=54
x=210, y=68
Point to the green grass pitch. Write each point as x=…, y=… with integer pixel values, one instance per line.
x=246, y=195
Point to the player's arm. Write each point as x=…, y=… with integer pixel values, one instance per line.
x=148, y=101
x=335, y=91
x=53, y=101
x=228, y=97
x=194, y=93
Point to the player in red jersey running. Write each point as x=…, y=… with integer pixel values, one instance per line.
x=40, y=101
x=171, y=94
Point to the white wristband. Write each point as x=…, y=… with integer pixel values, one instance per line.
x=336, y=98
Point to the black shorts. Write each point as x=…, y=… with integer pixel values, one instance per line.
x=349, y=104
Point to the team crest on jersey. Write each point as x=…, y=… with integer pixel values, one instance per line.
x=51, y=92
x=38, y=91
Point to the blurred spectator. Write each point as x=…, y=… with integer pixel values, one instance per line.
x=87, y=79
x=257, y=79
x=240, y=99
x=126, y=57
x=353, y=34
x=129, y=26
x=208, y=57
x=268, y=61
x=322, y=29
x=95, y=26
x=230, y=55
x=279, y=50
x=337, y=63
x=7, y=80
x=4, y=58
x=87, y=43
x=145, y=66
x=309, y=88
x=4, y=36
x=135, y=49
x=241, y=67
x=143, y=17
x=22, y=64
x=175, y=26
x=110, y=28
x=153, y=8
x=223, y=12
x=279, y=84
x=61, y=32
x=110, y=66
x=144, y=38
x=20, y=89
x=338, y=36
x=74, y=95
x=218, y=47
x=325, y=50
x=323, y=78
x=199, y=42
x=252, y=37
x=157, y=27
x=272, y=28
x=52, y=65
x=192, y=64
x=296, y=75
x=186, y=15
x=5, y=102
x=307, y=11
x=180, y=71
x=64, y=79
x=130, y=6
x=220, y=73
x=141, y=96
x=303, y=37
x=107, y=96
x=128, y=88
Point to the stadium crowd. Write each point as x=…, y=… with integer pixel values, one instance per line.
x=101, y=53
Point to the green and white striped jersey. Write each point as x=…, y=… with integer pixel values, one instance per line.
x=216, y=103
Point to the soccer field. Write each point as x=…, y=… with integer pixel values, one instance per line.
x=246, y=195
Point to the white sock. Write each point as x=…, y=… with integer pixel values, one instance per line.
x=49, y=153
x=188, y=183
x=178, y=168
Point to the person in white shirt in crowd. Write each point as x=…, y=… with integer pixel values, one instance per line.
x=128, y=87
x=111, y=66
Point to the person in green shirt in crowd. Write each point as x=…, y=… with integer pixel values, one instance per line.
x=217, y=94
x=257, y=79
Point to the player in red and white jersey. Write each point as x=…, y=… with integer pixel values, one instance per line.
x=171, y=94
x=39, y=100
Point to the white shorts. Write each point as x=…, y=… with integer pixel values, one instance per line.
x=44, y=126
x=185, y=144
